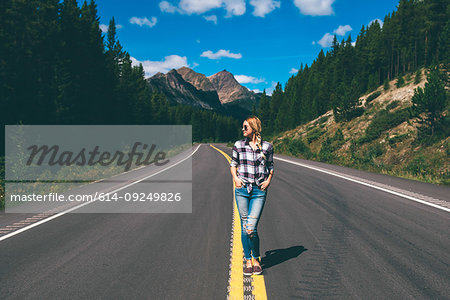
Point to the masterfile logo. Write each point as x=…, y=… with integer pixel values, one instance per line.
x=91, y=158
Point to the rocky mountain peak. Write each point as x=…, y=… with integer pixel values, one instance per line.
x=228, y=88
x=200, y=81
x=220, y=92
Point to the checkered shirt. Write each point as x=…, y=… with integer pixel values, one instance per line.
x=251, y=167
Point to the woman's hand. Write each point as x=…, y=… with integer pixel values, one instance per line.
x=238, y=183
x=265, y=184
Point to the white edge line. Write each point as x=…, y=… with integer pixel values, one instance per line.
x=86, y=203
x=366, y=184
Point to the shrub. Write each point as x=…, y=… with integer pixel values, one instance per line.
x=408, y=77
x=330, y=145
x=419, y=166
x=386, y=85
x=354, y=113
x=314, y=134
x=323, y=120
x=373, y=96
x=392, y=105
x=397, y=139
x=339, y=136
x=326, y=151
x=297, y=146
x=385, y=120
x=400, y=81
x=418, y=76
x=373, y=152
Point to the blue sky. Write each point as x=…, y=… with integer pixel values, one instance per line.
x=261, y=42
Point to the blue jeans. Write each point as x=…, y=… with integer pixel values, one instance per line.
x=250, y=207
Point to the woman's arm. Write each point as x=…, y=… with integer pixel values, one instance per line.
x=269, y=164
x=233, y=166
x=237, y=182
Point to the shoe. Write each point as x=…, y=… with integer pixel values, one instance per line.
x=248, y=270
x=257, y=270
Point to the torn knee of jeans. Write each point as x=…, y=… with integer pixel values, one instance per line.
x=250, y=231
x=251, y=221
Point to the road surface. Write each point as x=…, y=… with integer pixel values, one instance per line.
x=326, y=233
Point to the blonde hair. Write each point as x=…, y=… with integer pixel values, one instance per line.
x=255, y=124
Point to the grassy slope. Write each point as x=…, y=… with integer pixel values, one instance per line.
x=394, y=151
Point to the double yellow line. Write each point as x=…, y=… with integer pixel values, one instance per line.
x=236, y=282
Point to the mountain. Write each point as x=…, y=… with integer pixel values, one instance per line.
x=228, y=89
x=178, y=90
x=198, y=80
x=220, y=92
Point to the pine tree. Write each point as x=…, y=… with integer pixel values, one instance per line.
x=432, y=100
x=264, y=110
x=386, y=85
x=400, y=81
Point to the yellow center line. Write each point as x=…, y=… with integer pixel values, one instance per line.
x=236, y=282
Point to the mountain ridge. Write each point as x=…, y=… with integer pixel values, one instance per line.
x=220, y=92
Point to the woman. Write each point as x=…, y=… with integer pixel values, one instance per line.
x=252, y=171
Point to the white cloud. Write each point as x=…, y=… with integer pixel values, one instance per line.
x=257, y=91
x=354, y=43
x=212, y=18
x=313, y=42
x=326, y=40
x=379, y=21
x=104, y=27
x=170, y=62
x=165, y=6
x=342, y=30
x=143, y=21
x=199, y=6
x=233, y=7
x=221, y=53
x=264, y=7
x=293, y=71
x=315, y=7
x=248, y=79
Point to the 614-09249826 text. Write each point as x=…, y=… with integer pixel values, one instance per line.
x=102, y=197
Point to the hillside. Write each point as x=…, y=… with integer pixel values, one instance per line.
x=390, y=147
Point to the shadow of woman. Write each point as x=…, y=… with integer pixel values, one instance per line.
x=277, y=256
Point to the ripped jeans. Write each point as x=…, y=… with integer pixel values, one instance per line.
x=250, y=207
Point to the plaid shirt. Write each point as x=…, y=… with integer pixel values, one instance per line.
x=251, y=167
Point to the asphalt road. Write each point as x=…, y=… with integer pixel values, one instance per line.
x=323, y=237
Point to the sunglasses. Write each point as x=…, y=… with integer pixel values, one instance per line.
x=245, y=128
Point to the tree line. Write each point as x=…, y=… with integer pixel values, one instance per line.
x=416, y=35
x=57, y=67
